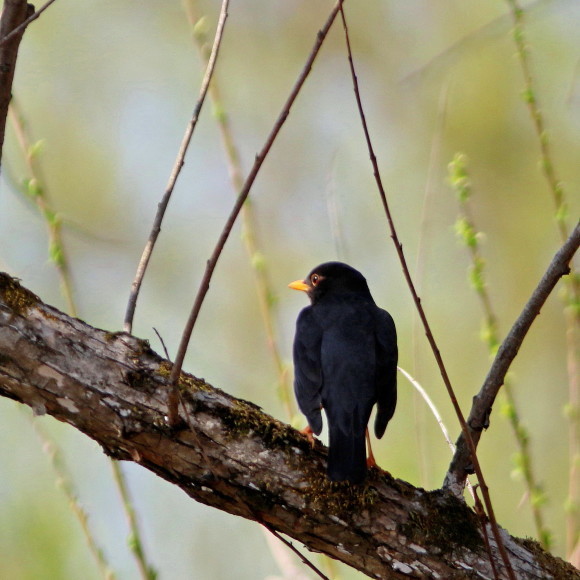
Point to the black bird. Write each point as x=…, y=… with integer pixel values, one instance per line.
x=345, y=361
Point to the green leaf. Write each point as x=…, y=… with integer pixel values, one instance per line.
x=56, y=254
x=32, y=188
x=36, y=148
x=459, y=178
x=200, y=29
x=258, y=261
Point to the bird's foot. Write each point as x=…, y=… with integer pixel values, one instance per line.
x=309, y=433
x=371, y=462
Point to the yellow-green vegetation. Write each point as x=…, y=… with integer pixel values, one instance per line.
x=15, y=296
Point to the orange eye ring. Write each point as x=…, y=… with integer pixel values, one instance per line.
x=314, y=279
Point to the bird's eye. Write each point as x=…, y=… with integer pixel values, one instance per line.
x=315, y=278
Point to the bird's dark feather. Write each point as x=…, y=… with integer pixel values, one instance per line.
x=386, y=371
x=307, y=369
x=345, y=359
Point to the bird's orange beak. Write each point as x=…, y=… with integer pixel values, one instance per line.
x=299, y=285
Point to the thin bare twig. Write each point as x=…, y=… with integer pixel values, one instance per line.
x=481, y=514
x=422, y=315
x=264, y=290
x=427, y=399
x=483, y=401
x=290, y=545
x=242, y=196
x=256, y=259
x=179, y=162
x=20, y=29
x=162, y=344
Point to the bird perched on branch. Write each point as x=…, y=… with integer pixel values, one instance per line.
x=345, y=361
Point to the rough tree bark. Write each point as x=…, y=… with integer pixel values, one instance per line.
x=230, y=455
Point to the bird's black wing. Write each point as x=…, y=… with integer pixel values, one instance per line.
x=307, y=368
x=386, y=370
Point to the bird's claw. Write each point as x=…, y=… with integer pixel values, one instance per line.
x=371, y=461
x=309, y=433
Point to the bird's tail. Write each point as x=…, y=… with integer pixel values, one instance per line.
x=346, y=456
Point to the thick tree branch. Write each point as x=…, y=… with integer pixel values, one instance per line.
x=14, y=14
x=114, y=388
x=478, y=418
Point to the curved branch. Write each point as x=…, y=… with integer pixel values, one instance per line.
x=478, y=418
x=114, y=388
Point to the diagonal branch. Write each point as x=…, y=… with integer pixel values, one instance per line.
x=479, y=416
x=240, y=200
x=113, y=388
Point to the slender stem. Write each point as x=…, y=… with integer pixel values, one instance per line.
x=19, y=29
x=430, y=185
x=242, y=196
x=573, y=413
x=538, y=119
x=290, y=545
x=481, y=514
x=467, y=232
x=423, y=393
x=36, y=189
x=179, y=162
x=65, y=484
x=264, y=289
x=572, y=282
x=136, y=544
x=422, y=315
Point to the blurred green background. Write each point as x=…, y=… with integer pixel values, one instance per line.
x=109, y=87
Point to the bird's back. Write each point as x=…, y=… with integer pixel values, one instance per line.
x=348, y=360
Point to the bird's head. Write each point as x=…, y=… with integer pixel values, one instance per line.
x=332, y=278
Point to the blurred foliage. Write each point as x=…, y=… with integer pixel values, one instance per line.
x=108, y=88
